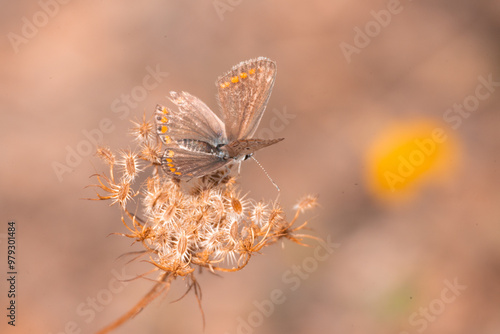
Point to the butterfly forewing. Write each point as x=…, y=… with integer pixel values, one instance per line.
x=193, y=120
x=243, y=95
x=248, y=146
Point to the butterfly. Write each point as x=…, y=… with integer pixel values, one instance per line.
x=197, y=142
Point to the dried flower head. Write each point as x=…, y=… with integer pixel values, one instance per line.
x=105, y=154
x=204, y=223
x=130, y=165
x=143, y=131
x=306, y=203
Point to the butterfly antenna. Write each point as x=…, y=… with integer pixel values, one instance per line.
x=258, y=163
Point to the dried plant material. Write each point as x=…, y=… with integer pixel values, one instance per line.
x=205, y=223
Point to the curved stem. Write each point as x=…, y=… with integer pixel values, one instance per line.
x=163, y=284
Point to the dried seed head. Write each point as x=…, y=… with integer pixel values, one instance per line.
x=260, y=214
x=306, y=203
x=130, y=165
x=204, y=197
x=121, y=193
x=170, y=212
x=276, y=216
x=237, y=205
x=230, y=182
x=215, y=210
x=142, y=130
x=151, y=152
x=234, y=234
x=182, y=246
x=106, y=155
x=213, y=239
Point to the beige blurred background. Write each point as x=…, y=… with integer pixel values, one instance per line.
x=424, y=258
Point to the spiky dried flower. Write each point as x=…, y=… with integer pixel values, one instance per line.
x=306, y=203
x=105, y=154
x=117, y=191
x=130, y=165
x=260, y=213
x=143, y=131
x=151, y=152
x=205, y=223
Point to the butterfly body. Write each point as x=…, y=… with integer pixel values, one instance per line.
x=197, y=142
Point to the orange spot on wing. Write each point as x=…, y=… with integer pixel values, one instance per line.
x=243, y=75
x=234, y=79
x=163, y=129
x=251, y=71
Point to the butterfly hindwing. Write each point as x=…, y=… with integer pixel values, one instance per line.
x=243, y=95
x=191, y=159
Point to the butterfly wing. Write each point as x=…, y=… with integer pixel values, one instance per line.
x=193, y=120
x=243, y=95
x=191, y=135
x=191, y=158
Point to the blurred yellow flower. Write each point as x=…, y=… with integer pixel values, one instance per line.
x=406, y=155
